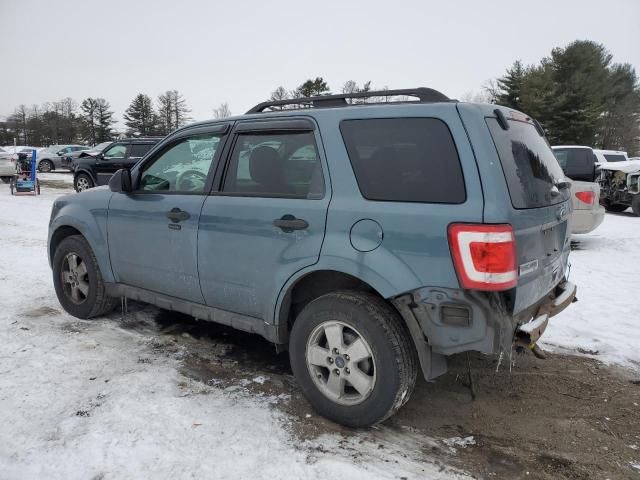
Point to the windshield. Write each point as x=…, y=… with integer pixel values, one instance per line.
x=101, y=146
x=529, y=166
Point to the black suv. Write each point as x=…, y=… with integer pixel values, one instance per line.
x=93, y=170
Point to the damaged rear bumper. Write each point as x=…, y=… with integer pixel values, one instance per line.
x=446, y=321
x=563, y=295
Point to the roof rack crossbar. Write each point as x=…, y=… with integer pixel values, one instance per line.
x=424, y=95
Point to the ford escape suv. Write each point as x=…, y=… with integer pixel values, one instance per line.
x=370, y=240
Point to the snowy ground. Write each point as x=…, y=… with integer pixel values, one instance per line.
x=97, y=400
x=605, y=323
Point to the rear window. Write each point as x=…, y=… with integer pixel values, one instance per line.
x=529, y=166
x=614, y=158
x=404, y=160
x=576, y=163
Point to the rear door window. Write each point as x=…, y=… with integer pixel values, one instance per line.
x=404, y=160
x=275, y=165
x=530, y=168
x=137, y=150
x=614, y=157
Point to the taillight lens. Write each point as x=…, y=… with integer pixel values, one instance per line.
x=586, y=197
x=484, y=256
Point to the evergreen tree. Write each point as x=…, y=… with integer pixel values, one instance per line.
x=510, y=86
x=140, y=117
x=104, y=118
x=88, y=108
x=312, y=88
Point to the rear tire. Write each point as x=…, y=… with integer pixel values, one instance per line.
x=82, y=182
x=382, y=365
x=635, y=205
x=78, y=281
x=46, y=166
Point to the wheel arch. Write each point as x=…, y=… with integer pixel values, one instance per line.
x=314, y=282
x=86, y=171
x=88, y=228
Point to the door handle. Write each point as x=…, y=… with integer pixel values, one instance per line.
x=289, y=223
x=176, y=215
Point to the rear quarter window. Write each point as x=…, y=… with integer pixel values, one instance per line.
x=404, y=160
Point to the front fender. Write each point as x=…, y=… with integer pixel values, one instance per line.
x=90, y=219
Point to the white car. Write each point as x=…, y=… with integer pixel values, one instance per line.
x=610, y=155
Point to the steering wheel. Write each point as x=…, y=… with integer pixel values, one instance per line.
x=190, y=180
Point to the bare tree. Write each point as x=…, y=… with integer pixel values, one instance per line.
x=223, y=111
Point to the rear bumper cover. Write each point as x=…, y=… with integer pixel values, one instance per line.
x=446, y=321
x=585, y=221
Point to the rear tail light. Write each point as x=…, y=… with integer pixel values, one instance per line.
x=484, y=256
x=586, y=197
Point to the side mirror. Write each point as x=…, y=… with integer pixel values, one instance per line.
x=121, y=181
x=60, y=153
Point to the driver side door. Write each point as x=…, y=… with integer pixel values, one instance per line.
x=153, y=231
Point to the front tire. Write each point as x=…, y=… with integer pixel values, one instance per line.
x=78, y=281
x=82, y=182
x=353, y=358
x=46, y=166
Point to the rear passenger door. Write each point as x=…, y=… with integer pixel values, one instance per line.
x=266, y=219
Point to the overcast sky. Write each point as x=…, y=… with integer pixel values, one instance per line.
x=240, y=51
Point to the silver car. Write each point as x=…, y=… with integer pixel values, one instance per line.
x=50, y=158
x=7, y=164
x=579, y=164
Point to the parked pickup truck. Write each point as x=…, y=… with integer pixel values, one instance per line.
x=92, y=169
x=370, y=240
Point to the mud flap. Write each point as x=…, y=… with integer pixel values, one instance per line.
x=433, y=364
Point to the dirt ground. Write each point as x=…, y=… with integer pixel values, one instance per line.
x=566, y=417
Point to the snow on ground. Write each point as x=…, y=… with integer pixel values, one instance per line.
x=87, y=403
x=605, y=322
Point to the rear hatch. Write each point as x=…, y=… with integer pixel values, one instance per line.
x=538, y=206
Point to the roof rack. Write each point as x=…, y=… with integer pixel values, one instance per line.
x=424, y=95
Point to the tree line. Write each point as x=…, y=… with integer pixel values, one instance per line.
x=92, y=120
x=577, y=93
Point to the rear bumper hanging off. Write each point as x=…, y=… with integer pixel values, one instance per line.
x=565, y=294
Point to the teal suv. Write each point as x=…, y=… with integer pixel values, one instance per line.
x=371, y=235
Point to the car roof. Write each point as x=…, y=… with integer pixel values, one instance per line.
x=613, y=152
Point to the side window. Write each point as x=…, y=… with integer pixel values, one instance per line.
x=117, y=150
x=404, y=160
x=275, y=165
x=137, y=150
x=183, y=168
